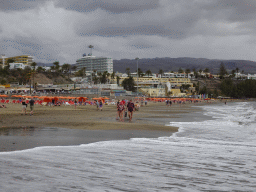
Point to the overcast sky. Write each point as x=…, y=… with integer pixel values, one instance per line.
x=62, y=30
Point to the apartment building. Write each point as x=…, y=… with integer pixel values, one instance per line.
x=92, y=63
x=25, y=59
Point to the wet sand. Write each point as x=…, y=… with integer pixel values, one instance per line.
x=51, y=126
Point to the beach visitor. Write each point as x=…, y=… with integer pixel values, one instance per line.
x=146, y=102
x=101, y=104
x=53, y=102
x=24, y=106
x=117, y=113
x=75, y=103
x=130, y=107
x=121, y=110
x=97, y=104
x=31, y=103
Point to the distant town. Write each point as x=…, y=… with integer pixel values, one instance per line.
x=93, y=75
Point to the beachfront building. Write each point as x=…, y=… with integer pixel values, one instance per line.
x=144, y=81
x=17, y=66
x=25, y=59
x=95, y=64
x=161, y=91
x=156, y=86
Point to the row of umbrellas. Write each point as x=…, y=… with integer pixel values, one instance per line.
x=56, y=98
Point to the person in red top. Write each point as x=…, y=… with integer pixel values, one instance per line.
x=120, y=108
x=130, y=107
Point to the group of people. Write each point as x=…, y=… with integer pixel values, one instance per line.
x=124, y=107
x=99, y=104
x=24, y=106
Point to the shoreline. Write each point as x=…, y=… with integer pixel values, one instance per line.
x=66, y=125
x=87, y=117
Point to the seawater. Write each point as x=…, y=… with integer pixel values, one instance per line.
x=217, y=154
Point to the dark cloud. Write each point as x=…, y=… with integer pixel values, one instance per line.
x=28, y=46
x=20, y=5
x=178, y=20
x=142, y=44
x=63, y=29
x=229, y=10
x=113, y=6
x=135, y=30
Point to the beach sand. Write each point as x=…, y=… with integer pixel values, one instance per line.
x=90, y=125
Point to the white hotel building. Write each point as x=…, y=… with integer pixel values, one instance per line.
x=92, y=63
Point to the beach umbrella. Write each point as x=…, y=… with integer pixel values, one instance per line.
x=82, y=99
x=56, y=98
x=3, y=96
x=47, y=99
x=41, y=97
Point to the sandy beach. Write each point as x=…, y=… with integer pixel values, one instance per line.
x=90, y=125
x=154, y=116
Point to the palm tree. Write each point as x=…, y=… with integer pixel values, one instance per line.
x=66, y=68
x=148, y=72
x=56, y=66
x=140, y=72
x=128, y=71
x=206, y=70
x=237, y=69
x=34, y=65
x=200, y=71
x=161, y=72
x=180, y=70
x=40, y=69
x=117, y=80
x=187, y=71
x=113, y=75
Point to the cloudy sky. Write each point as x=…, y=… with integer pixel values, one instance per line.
x=62, y=30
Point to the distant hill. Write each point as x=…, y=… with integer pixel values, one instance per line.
x=173, y=64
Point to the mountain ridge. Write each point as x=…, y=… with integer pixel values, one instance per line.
x=168, y=64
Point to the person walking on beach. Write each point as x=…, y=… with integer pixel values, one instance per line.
x=75, y=103
x=101, y=104
x=130, y=107
x=31, y=103
x=97, y=104
x=117, y=106
x=121, y=110
x=53, y=102
x=24, y=106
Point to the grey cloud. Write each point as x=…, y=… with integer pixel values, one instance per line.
x=135, y=30
x=18, y=5
x=28, y=45
x=187, y=22
x=113, y=6
x=142, y=44
x=229, y=10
